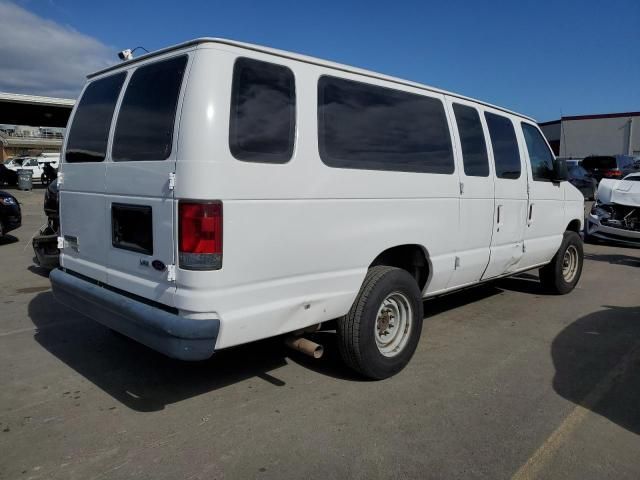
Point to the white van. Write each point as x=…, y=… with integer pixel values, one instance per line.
x=215, y=193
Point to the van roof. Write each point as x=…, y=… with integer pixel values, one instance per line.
x=300, y=58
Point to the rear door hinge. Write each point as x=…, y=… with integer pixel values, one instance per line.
x=172, y=180
x=456, y=264
x=171, y=273
x=461, y=188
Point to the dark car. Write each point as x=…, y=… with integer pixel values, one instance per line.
x=610, y=166
x=45, y=244
x=10, y=215
x=582, y=180
x=7, y=176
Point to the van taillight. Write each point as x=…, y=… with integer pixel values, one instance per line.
x=200, y=235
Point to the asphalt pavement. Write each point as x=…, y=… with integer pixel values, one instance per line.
x=507, y=382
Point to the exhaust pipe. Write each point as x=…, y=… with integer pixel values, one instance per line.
x=305, y=346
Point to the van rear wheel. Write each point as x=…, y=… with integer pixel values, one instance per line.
x=563, y=272
x=379, y=335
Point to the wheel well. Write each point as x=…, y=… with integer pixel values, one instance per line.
x=411, y=258
x=574, y=226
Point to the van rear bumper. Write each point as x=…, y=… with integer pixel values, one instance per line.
x=166, y=332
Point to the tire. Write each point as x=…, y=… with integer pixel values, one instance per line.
x=364, y=331
x=562, y=274
x=2, y=233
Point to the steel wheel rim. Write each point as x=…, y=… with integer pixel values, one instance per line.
x=393, y=324
x=570, y=263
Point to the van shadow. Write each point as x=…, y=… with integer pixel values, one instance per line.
x=146, y=381
x=597, y=362
x=8, y=239
x=614, y=259
x=137, y=376
x=523, y=283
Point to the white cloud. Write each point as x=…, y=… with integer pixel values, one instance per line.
x=42, y=57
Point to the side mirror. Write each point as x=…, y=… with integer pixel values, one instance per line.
x=560, y=171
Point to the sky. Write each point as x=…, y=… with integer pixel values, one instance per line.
x=541, y=58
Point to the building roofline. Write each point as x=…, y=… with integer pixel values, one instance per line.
x=36, y=99
x=300, y=58
x=551, y=122
x=602, y=115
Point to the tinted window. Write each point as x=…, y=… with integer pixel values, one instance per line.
x=540, y=156
x=263, y=116
x=625, y=162
x=599, y=162
x=89, y=131
x=369, y=127
x=505, y=146
x=474, y=148
x=145, y=123
x=576, y=171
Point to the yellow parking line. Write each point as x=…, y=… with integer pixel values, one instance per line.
x=543, y=455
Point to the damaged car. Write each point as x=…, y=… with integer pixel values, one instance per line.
x=10, y=214
x=615, y=215
x=45, y=244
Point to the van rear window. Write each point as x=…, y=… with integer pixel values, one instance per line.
x=89, y=131
x=263, y=115
x=147, y=115
x=370, y=127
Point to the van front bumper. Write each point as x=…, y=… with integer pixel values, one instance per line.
x=164, y=331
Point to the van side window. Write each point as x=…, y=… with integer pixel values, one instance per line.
x=263, y=114
x=540, y=156
x=474, y=148
x=147, y=115
x=369, y=127
x=505, y=146
x=89, y=131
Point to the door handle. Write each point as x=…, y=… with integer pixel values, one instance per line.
x=530, y=217
x=499, y=216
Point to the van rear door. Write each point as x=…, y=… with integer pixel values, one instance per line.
x=82, y=205
x=139, y=202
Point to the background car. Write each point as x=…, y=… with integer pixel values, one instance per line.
x=45, y=244
x=37, y=167
x=610, y=166
x=7, y=176
x=582, y=180
x=615, y=215
x=10, y=215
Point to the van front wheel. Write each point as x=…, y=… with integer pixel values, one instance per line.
x=379, y=335
x=563, y=272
